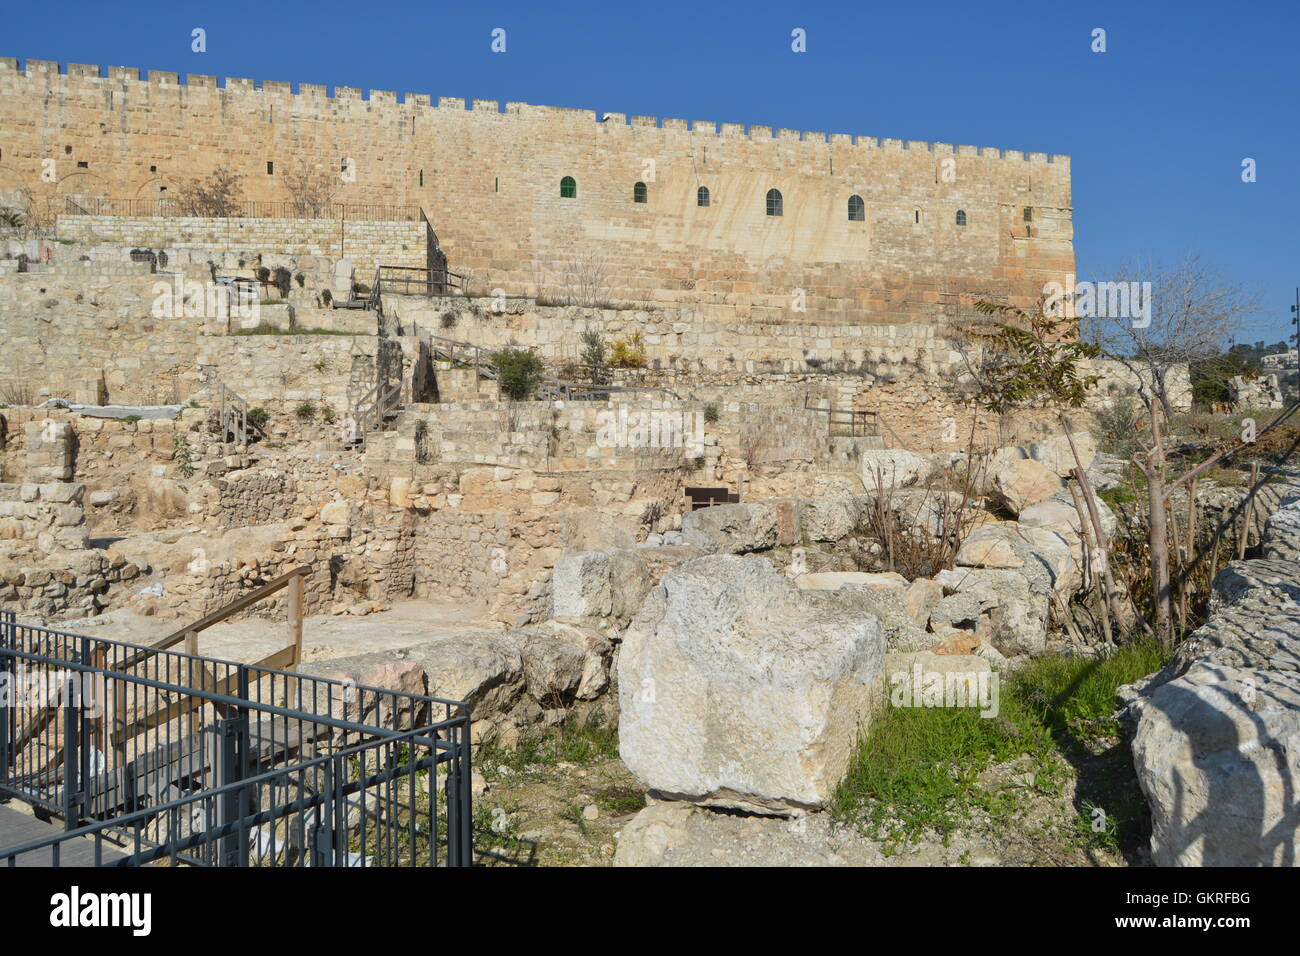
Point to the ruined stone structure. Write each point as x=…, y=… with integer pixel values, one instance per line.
x=564, y=202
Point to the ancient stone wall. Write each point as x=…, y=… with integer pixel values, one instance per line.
x=490, y=183
x=365, y=244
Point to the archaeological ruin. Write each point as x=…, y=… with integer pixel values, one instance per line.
x=671, y=428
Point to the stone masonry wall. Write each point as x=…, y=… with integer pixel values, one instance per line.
x=489, y=182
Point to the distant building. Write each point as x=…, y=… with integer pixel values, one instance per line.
x=1280, y=360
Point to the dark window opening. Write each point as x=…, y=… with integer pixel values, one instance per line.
x=640, y=193
x=82, y=164
x=422, y=177
x=270, y=168
x=857, y=209
x=702, y=196
x=568, y=188
x=961, y=217
x=775, y=204
x=1029, y=214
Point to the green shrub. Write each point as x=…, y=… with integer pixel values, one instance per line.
x=305, y=412
x=519, y=371
x=711, y=414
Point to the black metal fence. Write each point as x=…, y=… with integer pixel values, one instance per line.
x=153, y=756
x=178, y=208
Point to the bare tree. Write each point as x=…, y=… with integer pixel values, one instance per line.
x=1187, y=315
x=216, y=196
x=312, y=189
x=1190, y=310
x=586, y=281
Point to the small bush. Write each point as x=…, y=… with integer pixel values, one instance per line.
x=519, y=371
x=449, y=319
x=258, y=416
x=711, y=414
x=629, y=353
x=305, y=412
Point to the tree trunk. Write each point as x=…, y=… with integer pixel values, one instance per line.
x=1157, y=534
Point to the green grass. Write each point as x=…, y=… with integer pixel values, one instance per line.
x=574, y=741
x=919, y=769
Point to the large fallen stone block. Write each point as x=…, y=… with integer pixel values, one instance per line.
x=737, y=689
x=732, y=529
x=892, y=468
x=1025, y=482
x=1217, y=754
x=830, y=518
x=599, y=584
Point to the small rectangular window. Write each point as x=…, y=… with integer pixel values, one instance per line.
x=153, y=169
x=82, y=164
x=1029, y=214
x=270, y=168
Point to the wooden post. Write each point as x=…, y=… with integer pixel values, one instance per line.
x=1250, y=511
x=295, y=619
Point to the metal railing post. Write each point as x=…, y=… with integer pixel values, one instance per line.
x=8, y=693
x=71, y=757
x=233, y=753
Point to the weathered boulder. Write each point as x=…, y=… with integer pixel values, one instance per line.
x=834, y=580
x=1025, y=482
x=892, y=468
x=731, y=529
x=1055, y=452
x=738, y=689
x=1217, y=739
x=1034, y=551
x=1217, y=753
x=991, y=546
x=920, y=598
x=599, y=584
x=829, y=518
x=1015, y=607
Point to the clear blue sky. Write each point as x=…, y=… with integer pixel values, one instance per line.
x=1157, y=126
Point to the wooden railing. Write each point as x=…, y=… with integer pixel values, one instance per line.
x=861, y=422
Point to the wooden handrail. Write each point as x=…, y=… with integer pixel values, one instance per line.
x=234, y=607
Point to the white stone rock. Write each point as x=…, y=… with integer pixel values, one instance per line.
x=892, y=468
x=1025, y=482
x=1217, y=753
x=738, y=689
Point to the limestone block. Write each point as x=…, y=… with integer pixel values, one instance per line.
x=732, y=529
x=738, y=689
x=1025, y=482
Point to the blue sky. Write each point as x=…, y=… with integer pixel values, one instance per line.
x=1156, y=127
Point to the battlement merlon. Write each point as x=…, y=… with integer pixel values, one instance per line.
x=51, y=77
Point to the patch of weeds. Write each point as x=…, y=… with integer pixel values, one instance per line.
x=184, y=457
x=305, y=412
x=617, y=801
x=921, y=769
x=574, y=741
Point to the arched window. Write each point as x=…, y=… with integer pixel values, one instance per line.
x=639, y=193
x=961, y=217
x=857, y=209
x=702, y=196
x=568, y=188
x=775, y=205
